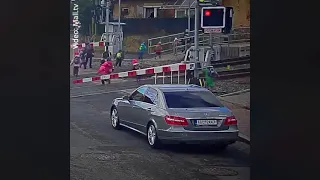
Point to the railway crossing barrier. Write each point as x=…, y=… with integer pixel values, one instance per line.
x=171, y=68
x=76, y=48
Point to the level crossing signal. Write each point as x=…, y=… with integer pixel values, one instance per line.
x=213, y=17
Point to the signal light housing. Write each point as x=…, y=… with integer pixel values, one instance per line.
x=213, y=17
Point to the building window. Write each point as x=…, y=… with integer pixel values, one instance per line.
x=124, y=11
x=150, y=12
x=166, y=13
x=180, y=13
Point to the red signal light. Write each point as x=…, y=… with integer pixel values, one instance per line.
x=207, y=12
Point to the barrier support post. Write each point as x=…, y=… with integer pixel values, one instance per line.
x=171, y=77
x=178, y=77
x=163, y=77
x=185, y=76
x=155, y=78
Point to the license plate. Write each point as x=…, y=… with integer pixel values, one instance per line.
x=206, y=122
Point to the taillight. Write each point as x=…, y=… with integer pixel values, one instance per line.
x=176, y=120
x=231, y=120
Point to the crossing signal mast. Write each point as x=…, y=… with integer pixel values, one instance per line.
x=214, y=19
x=196, y=59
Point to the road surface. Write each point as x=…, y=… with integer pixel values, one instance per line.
x=98, y=152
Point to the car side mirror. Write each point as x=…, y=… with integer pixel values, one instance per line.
x=126, y=97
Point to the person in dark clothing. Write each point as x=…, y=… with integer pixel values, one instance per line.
x=82, y=58
x=89, y=55
x=193, y=80
x=106, y=54
x=102, y=61
x=119, y=57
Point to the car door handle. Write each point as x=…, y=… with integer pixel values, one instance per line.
x=135, y=106
x=149, y=109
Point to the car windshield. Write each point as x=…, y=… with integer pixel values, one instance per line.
x=191, y=99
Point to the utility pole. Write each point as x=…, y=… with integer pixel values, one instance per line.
x=106, y=26
x=196, y=40
x=119, y=27
x=189, y=18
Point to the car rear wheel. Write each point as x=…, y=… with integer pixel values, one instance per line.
x=220, y=147
x=115, y=119
x=152, y=137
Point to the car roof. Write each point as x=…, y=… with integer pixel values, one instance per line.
x=177, y=87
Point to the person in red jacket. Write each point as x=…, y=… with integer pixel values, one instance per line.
x=106, y=68
x=158, y=50
x=135, y=66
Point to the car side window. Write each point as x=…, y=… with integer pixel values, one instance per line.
x=138, y=94
x=151, y=96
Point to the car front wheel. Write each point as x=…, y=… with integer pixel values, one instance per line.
x=115, y=119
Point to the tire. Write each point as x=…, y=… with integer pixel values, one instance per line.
x=220, y=147
x=152, y=137
x=115, y=121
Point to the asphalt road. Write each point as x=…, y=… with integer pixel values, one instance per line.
x=98, y=152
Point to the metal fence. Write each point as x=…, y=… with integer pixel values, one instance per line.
x=166, y=41
x=236, y=44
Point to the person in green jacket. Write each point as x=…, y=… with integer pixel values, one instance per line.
x=209, y=77
x=141, y=50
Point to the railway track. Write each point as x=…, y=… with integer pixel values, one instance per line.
x=231, y=62
x=235, y=73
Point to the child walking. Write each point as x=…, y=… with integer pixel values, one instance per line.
x=135, y=66
x=76, y=65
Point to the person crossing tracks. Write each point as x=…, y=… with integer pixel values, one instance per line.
x=106, y=68
x=119, y=58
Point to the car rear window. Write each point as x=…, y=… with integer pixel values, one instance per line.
x=191, y=99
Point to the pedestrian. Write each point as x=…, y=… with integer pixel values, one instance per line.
x=106, y=68
x=76, y=65
x=187, y=41
x=102, y=61
x=141, y=50
x=106, y=54
x=209, y=74
x=82, y=55
x=136, y=66
x=89, y=55
x=119, y=57
x=158, y=50
x=175, y=44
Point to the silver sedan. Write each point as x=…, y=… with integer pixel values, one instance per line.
x=175, y=114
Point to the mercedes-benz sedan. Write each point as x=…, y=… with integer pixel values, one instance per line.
x=175, y=114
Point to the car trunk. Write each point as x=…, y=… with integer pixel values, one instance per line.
x=196, y=115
